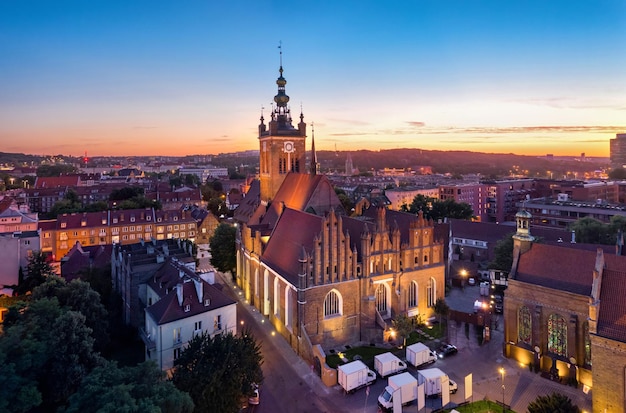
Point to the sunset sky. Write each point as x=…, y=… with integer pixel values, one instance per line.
x=151, y=77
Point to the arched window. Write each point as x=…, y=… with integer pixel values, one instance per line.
x=276, y=297
x=557, y=335
x=587, y=343
x=413, y=289
x=524, y=326
x=431, y=292
x=333, y=304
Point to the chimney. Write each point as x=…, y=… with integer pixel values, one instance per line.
x=179, y=293
x=199, y=289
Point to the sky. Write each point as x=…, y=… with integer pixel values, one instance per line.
x=152, y=77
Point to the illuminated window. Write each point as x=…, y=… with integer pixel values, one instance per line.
x=587, y=343
x=413, y=290
x=332, y=304
x=431, y=292
x=524, y=325
x=557, y=335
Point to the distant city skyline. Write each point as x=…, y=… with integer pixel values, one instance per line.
x=168, y=78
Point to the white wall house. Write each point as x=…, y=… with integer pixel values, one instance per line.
x=180, y=306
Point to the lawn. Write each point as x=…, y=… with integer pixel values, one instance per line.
x=482, y=406
x=366, y=354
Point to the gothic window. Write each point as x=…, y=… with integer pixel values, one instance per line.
x=524, y=325
x=381, y=299
x=431, y=292
x=587, y=343
x=413, y=289
x=332, y=304
x=557, y=335
x=276, y=297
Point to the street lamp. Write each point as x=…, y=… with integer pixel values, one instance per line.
x=463, y=276
x=502, y=374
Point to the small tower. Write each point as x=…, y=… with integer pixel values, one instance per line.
x=522, y=237
x=281, y=145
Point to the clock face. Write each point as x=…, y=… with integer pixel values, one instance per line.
x=289, y=147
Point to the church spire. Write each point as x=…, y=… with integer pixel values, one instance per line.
x=314, y=164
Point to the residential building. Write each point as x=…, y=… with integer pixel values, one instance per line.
x=133, y=265
x=561, y=212
x=181, y=305
x=404, y=195
x=473, y=194
x=115, y=227
x=503, y=197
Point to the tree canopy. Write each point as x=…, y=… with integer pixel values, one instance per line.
x=219, y=371
x=439, y=210
x=222, y=245
x=138, y=389
x=38, y=270
x=553, y=403
x=503, y=254
x=591, y=231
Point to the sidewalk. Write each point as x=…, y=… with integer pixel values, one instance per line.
x=521, y=386
x=303, y=369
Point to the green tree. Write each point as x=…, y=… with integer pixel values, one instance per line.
x=49, y=351
x=553, y=403
x=451, y=209
x=441, y=308
x=222, y=245
x=127, y=192
x=404, y=325
x=503, y=254
x=38, y=270
x=80, y=297
x=591, y=231
x=219, y=371
x=138, y=389
x=69, y=204
x=617, y=174
x=55, y=170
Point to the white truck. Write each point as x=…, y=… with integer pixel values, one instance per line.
x=435, y=381
x=387, y=364
x=402, y=386
x=419, y=354
x=354, y=375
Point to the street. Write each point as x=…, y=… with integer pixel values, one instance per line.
x=292, y=386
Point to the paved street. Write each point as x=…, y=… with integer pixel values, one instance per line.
x=521, y=385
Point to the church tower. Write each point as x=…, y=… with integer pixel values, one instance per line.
x=281, y=145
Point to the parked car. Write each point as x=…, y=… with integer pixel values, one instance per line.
x=471, y=281
x=446, y=350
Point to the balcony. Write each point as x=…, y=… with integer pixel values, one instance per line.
x=147, y=340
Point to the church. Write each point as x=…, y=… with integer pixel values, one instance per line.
x=324, y=278
x=565, y=314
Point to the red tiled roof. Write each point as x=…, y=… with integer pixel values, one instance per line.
x=57, y=181
x=612, y=315
x=557, y=267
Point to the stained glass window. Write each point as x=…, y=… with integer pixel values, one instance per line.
x=332, y=304
x=524, y=325
x=557, y=335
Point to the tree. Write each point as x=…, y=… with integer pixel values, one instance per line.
x=553, y=403
x=403, y=325
x=617, y=174
x=219, y=371
x=222, y=245
x=441, y=308
x=55, y=170
x=138, y=389
x=38, y=270
x=439, y=210
x=49, y=351
x=70, y=203
x=80, y=297
x=591, y=231
x=127, y=192
x=503, y=254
